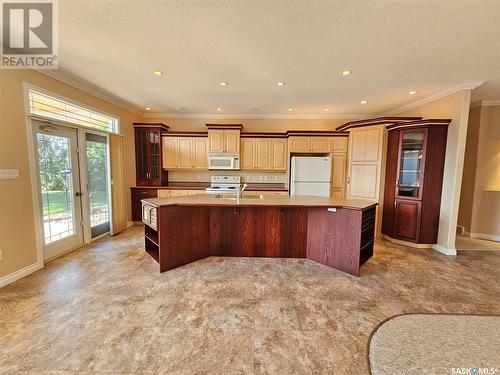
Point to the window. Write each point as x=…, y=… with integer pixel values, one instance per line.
x=43, y=105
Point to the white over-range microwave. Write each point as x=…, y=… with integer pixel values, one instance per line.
x=223, y=161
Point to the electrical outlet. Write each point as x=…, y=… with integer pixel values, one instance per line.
x=1, y=255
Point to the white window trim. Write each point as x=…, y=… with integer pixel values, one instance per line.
x=28, y=86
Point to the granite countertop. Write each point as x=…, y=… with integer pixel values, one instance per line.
x=203, y=185
x=277, y=201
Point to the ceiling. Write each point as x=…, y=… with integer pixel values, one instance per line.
x=391, y=48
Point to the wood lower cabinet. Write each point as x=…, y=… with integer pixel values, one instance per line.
x=267, y=154
x=137, y=194
x=406, y=219
x=413, y=182
x=185, y=152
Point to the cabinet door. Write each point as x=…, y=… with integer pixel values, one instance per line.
x=299, y=144
x=263, y=153
x=184, y=153
x=279, y=155
x=411, y=161
x=154, y=156
x=232, y=141
x=247, y=153
x=200, y=153
x=216, y=141
x=137, y=195
x=338, y=175
x=141, y=156
x=320, y=144
x=339, y=144
x=169, y=145
x=407, y=220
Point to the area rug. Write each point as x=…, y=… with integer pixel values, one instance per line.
x=436, y=344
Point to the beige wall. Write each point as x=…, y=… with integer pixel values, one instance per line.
x=17, y=226
x=271, y=125
x=454, y=106
x=480, y=199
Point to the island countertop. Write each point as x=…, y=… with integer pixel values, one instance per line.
x=264, y=201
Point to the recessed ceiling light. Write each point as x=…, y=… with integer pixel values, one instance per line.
x=219, y=109
x=280, y=83
x=223, y=83
x=157, y=72
x=326, y=110
x=148, y=108
x=413, y=92
x=346, y=72
x=290, y=109
x=364, y=102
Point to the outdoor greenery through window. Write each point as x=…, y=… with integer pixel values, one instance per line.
x=47, y=106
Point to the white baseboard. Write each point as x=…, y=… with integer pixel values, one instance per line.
x=10, y=278
x=444, y=250
x=485, y=236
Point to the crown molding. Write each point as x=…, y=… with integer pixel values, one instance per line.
x=452, y=90
x=252, y=116
x=62, y=76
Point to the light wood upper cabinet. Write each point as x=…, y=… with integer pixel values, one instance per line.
x=232, y=141
x=264, y=154
x=185, y=152
x=299, y=144
x=279, y=155
x=169, y=146
x=339, y=144
x=317, y=144
x=320, y=144
x=247, y=153
x=227, y=140
x=200, y=152
x=216, y=141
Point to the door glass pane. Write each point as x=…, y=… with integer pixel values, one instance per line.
x=154, y=153
x=97, y=169
x=54, y=156
x=410, y=164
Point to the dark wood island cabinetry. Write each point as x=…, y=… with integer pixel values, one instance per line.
x=337, y=233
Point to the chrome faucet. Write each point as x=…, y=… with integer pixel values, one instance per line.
x=240, y=193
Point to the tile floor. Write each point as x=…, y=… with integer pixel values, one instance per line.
x=105, y=308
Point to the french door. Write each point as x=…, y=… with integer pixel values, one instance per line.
x=59, y=187
x=73, y=182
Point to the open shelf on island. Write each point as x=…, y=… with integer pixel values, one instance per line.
x=151, y=243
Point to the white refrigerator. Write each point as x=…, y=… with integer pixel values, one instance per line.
x=310, y=175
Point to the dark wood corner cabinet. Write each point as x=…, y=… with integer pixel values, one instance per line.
x=148, y=164
x=148, y=154
x=414, y=179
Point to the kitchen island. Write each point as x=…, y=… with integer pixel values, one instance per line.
x=336, y=232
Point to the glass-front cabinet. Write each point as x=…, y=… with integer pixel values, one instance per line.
x=411, y=151
x=148, y=154
x=413, y=181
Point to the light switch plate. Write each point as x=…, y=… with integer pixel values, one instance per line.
x=332, y=209
x=1, y=255
x=9, y=174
